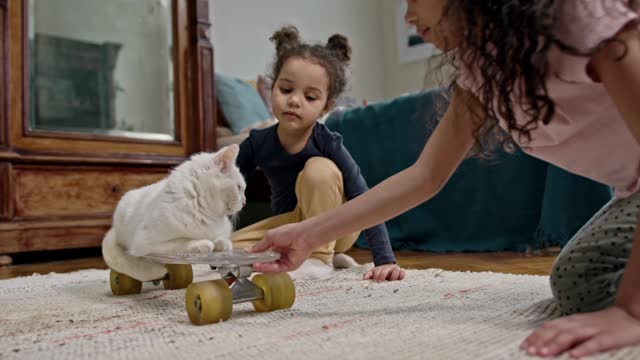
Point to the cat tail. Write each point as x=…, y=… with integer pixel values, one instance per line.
x=119, y=260
x=343, y=261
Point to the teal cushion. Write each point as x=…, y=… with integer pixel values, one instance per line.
x=482, y=208
x=240, y=103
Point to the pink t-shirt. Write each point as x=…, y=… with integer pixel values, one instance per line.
x=587, y=135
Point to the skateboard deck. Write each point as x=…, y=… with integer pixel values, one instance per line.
x=211, y=301
x=235, y=257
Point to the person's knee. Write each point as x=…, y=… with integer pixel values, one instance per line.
x=567, y=278
x=561, y=292
x=581, y=286
x=320, y=171
x=346, y=243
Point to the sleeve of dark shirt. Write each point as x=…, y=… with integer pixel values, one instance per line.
x=246, y=157
x=355, y=185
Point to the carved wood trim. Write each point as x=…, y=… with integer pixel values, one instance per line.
x=22, y=236
x=25, y=64
x=204, y=103
x=4, y=82
x=58, y=192
x=59, y=158
x=46, y=143
x=49, y=134
x=207, y=98
x=183, y=89
x=6, y=191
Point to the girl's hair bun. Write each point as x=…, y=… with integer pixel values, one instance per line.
x=286, y=38
x=339, y=46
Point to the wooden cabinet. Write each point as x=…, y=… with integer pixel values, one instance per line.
x=59, y=185
x=88, y=191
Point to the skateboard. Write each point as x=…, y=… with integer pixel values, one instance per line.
x=212, y=300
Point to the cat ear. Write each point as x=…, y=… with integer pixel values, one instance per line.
x=226, y=158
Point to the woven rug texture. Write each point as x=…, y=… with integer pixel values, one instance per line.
x=433, y=314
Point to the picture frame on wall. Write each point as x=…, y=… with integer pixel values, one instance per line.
x=411, y=47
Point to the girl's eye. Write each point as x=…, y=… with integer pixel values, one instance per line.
x=311, y=98
x=285, y=91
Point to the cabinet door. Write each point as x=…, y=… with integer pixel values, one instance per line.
x=106, y=79
x=4, y=84
x=62, y=206
x=96, y=97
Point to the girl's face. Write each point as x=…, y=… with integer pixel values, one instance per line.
x=427, y=17
x=299, y=95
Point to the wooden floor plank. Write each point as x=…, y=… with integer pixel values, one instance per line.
x=504, y=262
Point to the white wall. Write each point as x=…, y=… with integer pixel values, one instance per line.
x=401, y=78
x=241, y=31
x=398, y=78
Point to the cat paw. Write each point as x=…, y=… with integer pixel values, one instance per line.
x=221, y=245
x=201, y=246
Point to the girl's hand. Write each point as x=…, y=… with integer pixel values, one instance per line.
x=584, y=334
x=391, y=272
x=289, y=242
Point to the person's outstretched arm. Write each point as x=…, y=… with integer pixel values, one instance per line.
x=445, y=150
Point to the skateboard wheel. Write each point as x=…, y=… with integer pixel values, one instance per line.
x=122, y=284
x=209, y=302
x=178, y=276
x=278, y=289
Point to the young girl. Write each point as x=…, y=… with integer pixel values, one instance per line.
x=308, y=168
x=562, y=78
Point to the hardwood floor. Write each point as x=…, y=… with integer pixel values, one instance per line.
x=505, y=262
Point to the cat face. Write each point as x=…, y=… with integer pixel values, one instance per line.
x=231, y=184
x=215, y=183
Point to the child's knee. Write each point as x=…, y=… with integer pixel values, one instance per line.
x=320, y=171
x=346, y=243
x=579, y=284
x=565, y=295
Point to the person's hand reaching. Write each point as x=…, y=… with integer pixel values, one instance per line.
x=287, y=240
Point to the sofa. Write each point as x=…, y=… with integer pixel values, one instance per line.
x=512, y=202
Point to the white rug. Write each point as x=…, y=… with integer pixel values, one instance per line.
x=432, y=314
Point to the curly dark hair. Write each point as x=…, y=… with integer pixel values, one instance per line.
x=334, y=57
x=524, y=31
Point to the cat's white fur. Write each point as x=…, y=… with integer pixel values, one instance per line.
x=188, y=212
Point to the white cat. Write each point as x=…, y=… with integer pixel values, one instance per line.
x=188, y=212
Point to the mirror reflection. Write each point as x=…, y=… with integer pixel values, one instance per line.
x=102, y=67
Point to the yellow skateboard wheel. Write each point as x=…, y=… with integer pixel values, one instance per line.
x=122, y=284
x=278, y=289
x=178, y=276
x=209, y=302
